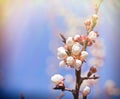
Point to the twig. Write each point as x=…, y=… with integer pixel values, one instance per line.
x=94, y=77
x=77, y=86
x=84, y=97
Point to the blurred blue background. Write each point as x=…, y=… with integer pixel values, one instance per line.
x=29, y=38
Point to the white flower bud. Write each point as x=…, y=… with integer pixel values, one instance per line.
x=87, y=22
x=86, y=91
x=84, y=54
x=78, y=64
x=62, y=63
x=61, y=53
x=76, y=37
x=76, y=49
x=92, y=35
x=69, y=41
x=57, y=78
x=70, y=60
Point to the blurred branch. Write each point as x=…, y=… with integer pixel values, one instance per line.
x=22, y=96
x=98, y=6
x=84, y=97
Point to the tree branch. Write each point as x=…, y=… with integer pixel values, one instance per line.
x=94, y=77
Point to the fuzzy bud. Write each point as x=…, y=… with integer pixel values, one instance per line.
x=76, y=49
x=87, y=22
x=61, y=53
x=92, y=35
x=70, y=60
x=93, y=69
x=78, y=64
x=76, y=37
x=69, y=41
x=57, y=78
x=86, y=91
x=84, y=55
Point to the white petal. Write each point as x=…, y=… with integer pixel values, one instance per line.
x=76, y=37
x=69, y=41
x=84, y=54
x=57, y=78
x=70, y=60
x=86, y=91
x=61, y=53
x=76, y=49
x=92, y=35
x=78, y=64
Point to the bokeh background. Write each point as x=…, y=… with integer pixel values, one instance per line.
x=29, y=38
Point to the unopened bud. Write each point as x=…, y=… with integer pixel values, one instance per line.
x=78, y=64
x=84, y=55
x=76, y=49
x=76, y=37
x=86, y=91
x=61, y=53
x=57, y=78
x=70, y=60
x=92, y=35
x=87, y=22
x=69, y=41
x=93, y=69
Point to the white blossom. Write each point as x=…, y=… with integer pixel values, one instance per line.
x=62, y=63
x=78, y=64
x=76, y=49
x=76, y=37
x=87, y=22
x=70, y=60
x=57, y=78
x=69, y=41
x=86, y=91
x=61, y=53
x=92, y=35
x=84, y=54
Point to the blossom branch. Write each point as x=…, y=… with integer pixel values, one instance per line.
x=98, y=6
x=94, y=77
x=63, y=89
x=84, y=97
x=73, y=55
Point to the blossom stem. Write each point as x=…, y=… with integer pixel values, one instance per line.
x=77, y=86
x=84, y=97
x=94, y=77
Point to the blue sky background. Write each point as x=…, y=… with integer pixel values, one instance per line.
x=30, y=26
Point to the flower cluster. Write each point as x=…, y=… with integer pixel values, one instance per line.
x=73, y=54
